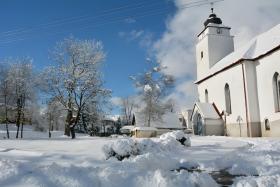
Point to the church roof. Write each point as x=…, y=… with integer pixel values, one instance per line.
x=207, y=110
x=254, y=49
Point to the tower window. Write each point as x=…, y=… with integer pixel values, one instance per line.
x=219, y=31
x=201, y=54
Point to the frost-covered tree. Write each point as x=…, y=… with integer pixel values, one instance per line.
x=5, y=93
x=20, y=79
x=153, y=86
x=75, y=80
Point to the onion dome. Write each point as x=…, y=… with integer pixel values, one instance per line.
x=212, y=19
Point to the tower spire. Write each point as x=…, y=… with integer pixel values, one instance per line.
x=212, y=7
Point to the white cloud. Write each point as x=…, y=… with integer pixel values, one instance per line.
x=132, y=35
x=176, y=47
x=129, y=20
x=143, y=37
x=116, y=101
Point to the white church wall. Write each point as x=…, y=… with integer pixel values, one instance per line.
x=219, y=47
x=215, y=86
x=266, y=68
x=202, y=62
x=252, y=98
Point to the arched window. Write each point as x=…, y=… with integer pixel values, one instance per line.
x=206, y=96
x=267, y=124
x=227, y=99
x=276, y=91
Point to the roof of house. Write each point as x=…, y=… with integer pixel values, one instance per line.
x=207, y=110
x=145, y=128
x=255, y=48
x=128, y=127
x=168, y=120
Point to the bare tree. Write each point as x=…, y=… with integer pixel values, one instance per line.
x=21, y=82
x=153, y=86
x=5, y=90
x=76, y=79
x=128, y=105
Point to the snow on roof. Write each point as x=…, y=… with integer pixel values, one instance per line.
x=258, y=46
x=128, y=127
x=111, y=117
x=145, y=128
x=169, y=120
x=207, y=110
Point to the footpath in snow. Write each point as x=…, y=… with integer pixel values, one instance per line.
x=165, y=162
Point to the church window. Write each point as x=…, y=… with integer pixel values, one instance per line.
x=227, y=99
x=219, y=31
x=267, y=124
x=201, y=54
x=276, y=91
x=206, y=96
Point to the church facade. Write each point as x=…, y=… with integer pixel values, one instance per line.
x=242, y=86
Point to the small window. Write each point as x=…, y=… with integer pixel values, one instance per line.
x=201, y=54
x=267, y=124
x=227, y=99
x=276, y=91
x=219, y=31
x=206, y=96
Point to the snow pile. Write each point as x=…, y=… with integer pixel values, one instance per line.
x=268, y=181
x=8, y=168
x=121, y=149
x=262, y=160
x=176, y=135
x=124, y=148
x=178, y=179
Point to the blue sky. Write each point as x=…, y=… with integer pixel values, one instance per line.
x=123, y=39
x=32, y=27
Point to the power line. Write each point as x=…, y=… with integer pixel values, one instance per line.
x=80, y=18
x=118, y=19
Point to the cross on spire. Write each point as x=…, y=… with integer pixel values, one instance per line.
x=212, y=9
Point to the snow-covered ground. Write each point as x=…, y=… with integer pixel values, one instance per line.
x=60, y=161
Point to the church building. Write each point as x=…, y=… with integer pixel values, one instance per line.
x=239, y=89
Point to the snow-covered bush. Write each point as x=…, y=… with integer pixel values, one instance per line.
x=176, y=135
x=121, y=149
x=124, y=148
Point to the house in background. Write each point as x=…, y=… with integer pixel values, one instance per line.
x=243, y=84
x=170, y=121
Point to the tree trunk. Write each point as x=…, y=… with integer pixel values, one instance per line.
x=50, y=123
x=72, y=130
x=6, y=117
x=68, y=123
x=22, y=122
x=18, y=122
x=72, y=127
x=67, y=129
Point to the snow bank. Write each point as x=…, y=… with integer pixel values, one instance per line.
x=8, y=168
x=268, y=181
x=124, y=148
x=176, y=135
x=121, y=149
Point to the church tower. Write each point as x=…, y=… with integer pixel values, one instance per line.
x=214, y=43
